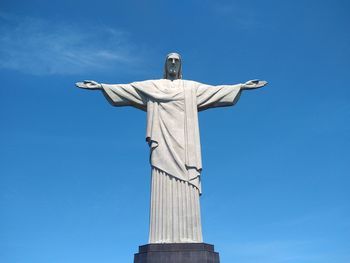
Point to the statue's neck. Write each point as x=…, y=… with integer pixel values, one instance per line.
x=172, y=78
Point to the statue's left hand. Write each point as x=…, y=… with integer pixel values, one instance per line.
x=88, y=84
x=254, y=84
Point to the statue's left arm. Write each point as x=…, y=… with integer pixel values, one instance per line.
x=223, y=95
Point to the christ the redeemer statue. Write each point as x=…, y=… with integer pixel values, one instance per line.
x=172, y=106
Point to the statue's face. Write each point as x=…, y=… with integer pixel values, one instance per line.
x=173, y=65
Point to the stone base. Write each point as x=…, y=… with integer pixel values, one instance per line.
x=177, y=253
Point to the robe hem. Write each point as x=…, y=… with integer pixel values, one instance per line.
x=177, y=178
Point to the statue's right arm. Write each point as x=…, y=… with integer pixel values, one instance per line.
x=88, y=84
x=118, y=94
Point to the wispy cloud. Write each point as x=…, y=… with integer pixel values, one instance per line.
x=240, y=15
x=336, y=214
x=42, y=47
x=277, y=251
x=285, y=251
x=313, y=244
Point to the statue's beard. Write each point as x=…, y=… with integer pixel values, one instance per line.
x=172, y=72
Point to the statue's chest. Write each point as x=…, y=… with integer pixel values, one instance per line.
x=172, y=87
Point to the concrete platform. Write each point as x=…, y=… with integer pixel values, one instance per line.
x=177, y=253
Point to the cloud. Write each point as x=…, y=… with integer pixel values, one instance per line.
x=278, y=251
x=318, y=237
x=40, y=47
x=240, y=15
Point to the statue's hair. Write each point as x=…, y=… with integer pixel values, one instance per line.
x=179, y=74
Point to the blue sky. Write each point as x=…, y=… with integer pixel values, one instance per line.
x=74, y=173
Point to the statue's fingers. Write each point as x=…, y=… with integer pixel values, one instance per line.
x=261, y=84
x=80, y=84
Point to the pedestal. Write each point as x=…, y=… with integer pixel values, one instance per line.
x=177, y=253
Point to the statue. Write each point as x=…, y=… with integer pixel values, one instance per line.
x=172, y=106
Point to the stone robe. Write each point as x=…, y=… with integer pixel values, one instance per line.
x=175, y=155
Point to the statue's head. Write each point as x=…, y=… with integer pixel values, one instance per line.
x=172, y=67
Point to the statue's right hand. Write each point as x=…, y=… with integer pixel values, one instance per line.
x=88, y=84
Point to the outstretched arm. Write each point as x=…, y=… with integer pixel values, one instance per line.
x=217, y=96
x=223, y=95
x=117, y=94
